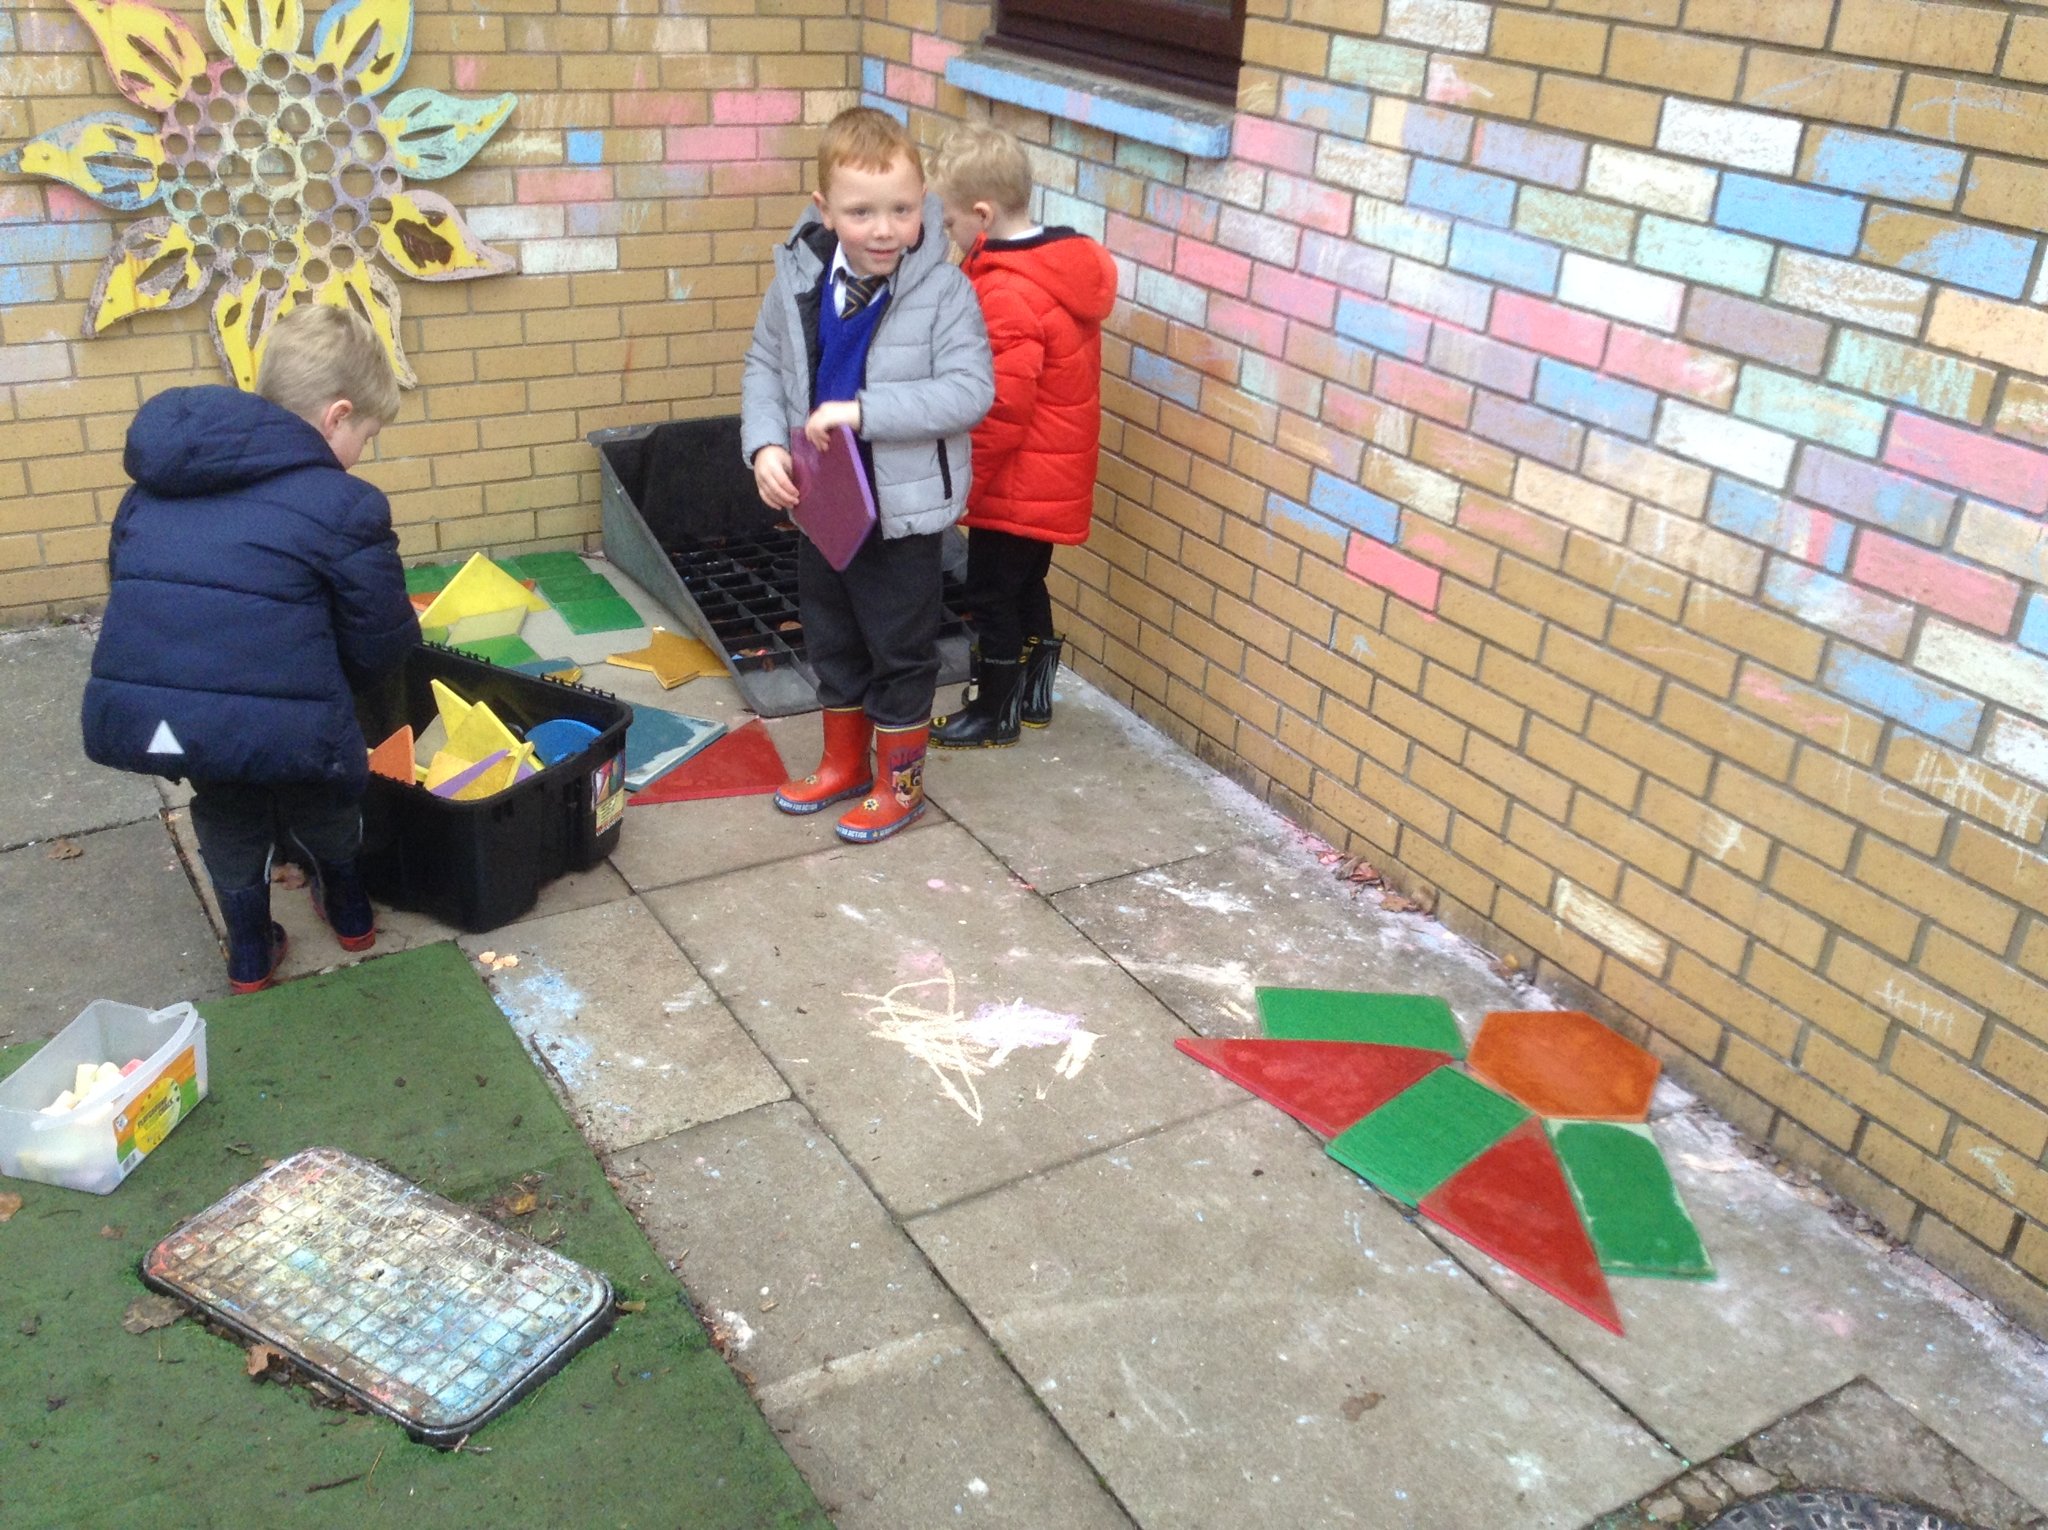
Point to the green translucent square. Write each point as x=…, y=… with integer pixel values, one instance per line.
x=566, y=587
x=547, y=565
x=434, y=634
x=508, y=650
x=1629, y=1203
x=427, y=578
x=607, y=613
x=1426, y=1133
x=1329, y=1014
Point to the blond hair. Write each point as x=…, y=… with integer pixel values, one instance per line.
x=318, y=353
x=864, y=139
x=981, y=163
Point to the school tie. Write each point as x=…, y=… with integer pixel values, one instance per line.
x=860, y=291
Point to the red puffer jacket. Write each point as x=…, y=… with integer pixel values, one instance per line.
x=1044, y=298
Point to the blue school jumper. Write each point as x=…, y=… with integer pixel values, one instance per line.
x=843, y=346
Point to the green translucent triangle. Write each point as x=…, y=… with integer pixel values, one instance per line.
x=509, y=650
x=578, y=586
x=607, y=613
x=1630, y=1206
x=1426, y=1133
x=1329, y=1014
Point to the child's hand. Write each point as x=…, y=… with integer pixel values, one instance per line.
x=827, y=417
x=771, y=478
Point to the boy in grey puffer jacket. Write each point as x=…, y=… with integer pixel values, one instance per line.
x=866, y=324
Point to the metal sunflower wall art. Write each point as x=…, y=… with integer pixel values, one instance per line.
x=277, y=170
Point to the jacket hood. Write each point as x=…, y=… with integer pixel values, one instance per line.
x=812, y=244
x=192, y=441
x=1077, y=272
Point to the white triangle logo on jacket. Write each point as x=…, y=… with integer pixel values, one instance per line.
x=164, y=741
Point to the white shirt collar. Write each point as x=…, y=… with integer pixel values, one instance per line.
x=841, y=271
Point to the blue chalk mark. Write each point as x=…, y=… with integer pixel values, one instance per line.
x=1462, y=193
x=584, y=146
x=1513, y=259
x=1813, y=220
x=1358, y=508
x=1598, y=400
x=1906, y=697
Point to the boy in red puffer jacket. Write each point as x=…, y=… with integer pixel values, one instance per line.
x=1044, y=294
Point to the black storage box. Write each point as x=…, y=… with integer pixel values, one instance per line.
x=682, y=517
x=477, y=865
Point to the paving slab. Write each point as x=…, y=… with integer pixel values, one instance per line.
x=890, y=1400
x=669, y=842
x=1859, y=1436
x=1236, y=1331
x=1203, y=933
x=1025, y=1055
x=312, y=946
x=1097, y=794
x=639, y=1045
x=1800, y=1306
x=49, y=787
x=119, y=921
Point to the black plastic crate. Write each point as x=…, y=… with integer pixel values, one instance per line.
x=477, y=865
x=682, y=517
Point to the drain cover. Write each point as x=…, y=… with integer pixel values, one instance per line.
x=1830, y=1510
x=416, y=1307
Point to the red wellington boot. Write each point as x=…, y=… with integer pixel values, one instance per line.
x=898, y=801
x=842, y=773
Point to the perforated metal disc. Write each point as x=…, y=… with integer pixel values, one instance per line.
x=1827, y=1509
x=420, y=1309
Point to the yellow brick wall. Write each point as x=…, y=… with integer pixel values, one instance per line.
x=641, y=254
x=1547, y=665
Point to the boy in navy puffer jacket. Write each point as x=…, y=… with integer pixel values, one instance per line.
x=254, y=583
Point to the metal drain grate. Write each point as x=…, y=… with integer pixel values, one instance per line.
x=418, y=1308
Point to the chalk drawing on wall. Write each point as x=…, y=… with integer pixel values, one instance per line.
x=278, y=171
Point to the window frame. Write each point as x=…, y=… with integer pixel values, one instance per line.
x=1202, y=61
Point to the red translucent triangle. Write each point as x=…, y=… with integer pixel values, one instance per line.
x=1512, y=1204
x=741, y=764
x=1327, y=1086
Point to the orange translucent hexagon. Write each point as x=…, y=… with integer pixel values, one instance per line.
x=1564, y=1063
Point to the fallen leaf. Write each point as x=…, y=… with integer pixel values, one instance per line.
x=152, y=1311
x=112, y=1233
x=31, y=1326
x=10, y=1203
x=1394, y=903
x=64, y=850
x=260, y=1358
x=768, y=1306
x=631, y=1306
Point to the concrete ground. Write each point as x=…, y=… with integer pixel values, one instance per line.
x=908, y=1122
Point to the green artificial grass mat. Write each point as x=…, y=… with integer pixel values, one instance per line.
x=406, y=1060
x=1330, y=1014
x=1631, y=1207
x=1426, y=1133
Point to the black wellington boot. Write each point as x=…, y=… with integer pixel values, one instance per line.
x=990, y=720
x=1041, y=666
x=255, y=945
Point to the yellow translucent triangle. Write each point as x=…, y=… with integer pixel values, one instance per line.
x=478, y=588
x=480, y=734
x=488, y=624
x=670, y=658
x=444, y=767
x=491, y=782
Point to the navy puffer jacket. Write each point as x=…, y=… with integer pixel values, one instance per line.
x=253, y=580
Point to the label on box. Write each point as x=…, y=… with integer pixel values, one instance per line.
x=167, y=1100
x=608, y=792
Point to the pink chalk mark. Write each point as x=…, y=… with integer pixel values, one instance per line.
x=756, y=106
x=468, y=70
x=1375, y=563
x=1934, y=580
x=2001, y=470
x=1562, y=332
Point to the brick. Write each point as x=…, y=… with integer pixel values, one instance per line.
x=1503, y=257
x=2026, y=53
x=1550, y=41
x=1656, y=591
x=1986, y=979
x=1683, y=543
x=1880, y=165
x=1792, y=1092
x=1408, y=125
x=1529, y=431
x=1586, y=395
x=1999, y=470
x=1857, y=909
x=1959, y=253
x=1900, y=693
x=1546, y=327
x=1482, y=84
x=2016, y=1061
x=2012, y=807
x=1799, y=530
x=1751, y=329
x=1670, y=366
x=1572, y=500
x=2004, y=119
x=1952, y=902
x=1870, y=493
x=1378, y=65
x=1511, y=527
x=1940, y=583
x=2018, y=746
x=1462, y=193
x=1599, y=228
x=1599, y=110
x=1377, y=564
x=1308, y=203
x=1363, y=167
x=1620, y=292
x=1703, y=254
x=1860, y=294
x=1919, y=32
x=1608, y=926
x=1209, y=265
x=1806, y=409
x=2001, y=191
x=1477, y=359
x=1649, y=181
x=1806, y=86
x=1528, y=154
x=1464, y=457
x=1561, y=600
x=1459, y=25
x=1905, y=374
x=2003, y=333
x=1406, y=231
x=1725, y=841
x=2006, y=869
x=1325, y=107
x=1960, y=1202
x=1439, y=293
x=1297, y=50
x=1674, y=61
x=1734, y=446
x=1727, y=135
x=1684, y=920
x=1412, y=485
x=2025, y=411
x=1640, y=846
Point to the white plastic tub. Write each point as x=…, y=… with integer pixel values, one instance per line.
x=97, y=1144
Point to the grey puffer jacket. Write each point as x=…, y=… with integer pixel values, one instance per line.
x=929, y=378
